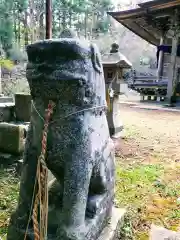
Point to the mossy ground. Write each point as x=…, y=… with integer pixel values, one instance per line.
x=150, y=194
x=9, y=189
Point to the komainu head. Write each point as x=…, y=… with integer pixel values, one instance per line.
x=59, y=68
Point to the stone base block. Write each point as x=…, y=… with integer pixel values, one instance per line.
x=112, y=230
x=12, y=138
x=116, y=132
x=119, y=134
x=160, y=233
x=7, y=160
x=23, y=107
x=6, y=112
x=4, y=99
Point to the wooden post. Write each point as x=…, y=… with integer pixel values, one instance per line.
x=160, y=61
x=48, y=19
x=172, y=73
x=172, y=69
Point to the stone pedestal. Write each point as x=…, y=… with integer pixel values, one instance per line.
x=23, y=107
x=113, y=117
x=112, y=230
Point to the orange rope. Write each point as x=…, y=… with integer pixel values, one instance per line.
x=41, y=198
x=108, y=100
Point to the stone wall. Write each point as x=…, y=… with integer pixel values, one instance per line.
x=14, y=121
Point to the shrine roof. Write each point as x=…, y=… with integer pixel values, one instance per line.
x=149, y=19
x=115, y=59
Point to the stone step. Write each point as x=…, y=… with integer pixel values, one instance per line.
x=5, y=99
x=6, y=111
x=160, y=233
x=8, y=159
x=112, y=230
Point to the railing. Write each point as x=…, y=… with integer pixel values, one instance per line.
x=145, y=79
x=147, y=82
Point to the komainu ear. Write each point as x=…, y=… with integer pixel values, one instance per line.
x=96, y=58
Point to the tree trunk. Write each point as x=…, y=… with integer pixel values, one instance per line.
x=41, y=26
x=85, y=24
x=19, y=30
x=70, y=18
x=26, y=36
x=15, y=31
x=32, y=25
x=59, y=22
x=64, y=18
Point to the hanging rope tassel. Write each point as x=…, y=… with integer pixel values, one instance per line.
x=41, y=198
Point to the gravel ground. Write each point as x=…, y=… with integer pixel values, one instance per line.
x=153, y=131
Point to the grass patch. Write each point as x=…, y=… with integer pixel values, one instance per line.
x=150, y=194
x=9, y=191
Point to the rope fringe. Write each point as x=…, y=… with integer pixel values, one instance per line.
x=41, y=197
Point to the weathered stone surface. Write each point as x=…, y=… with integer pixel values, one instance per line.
x=112, y=230
x=11, y=138
x=80, y=153
x=18, y=167
x=24, y=125
x=6, y=112
x=160, y=233
x=23, y=107
x=5, y=99
x=11, y=161
x=6, y=158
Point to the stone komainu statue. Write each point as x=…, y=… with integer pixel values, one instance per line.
x=80, y=154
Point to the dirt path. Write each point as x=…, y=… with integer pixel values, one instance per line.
x=151, y=132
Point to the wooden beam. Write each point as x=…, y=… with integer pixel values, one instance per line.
x=159, y=4
x=138, y=30
x=166, y=5
x=143, y=10
x=127, y=18
x=132, y=13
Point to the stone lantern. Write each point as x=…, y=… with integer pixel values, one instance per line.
x=114, y=65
